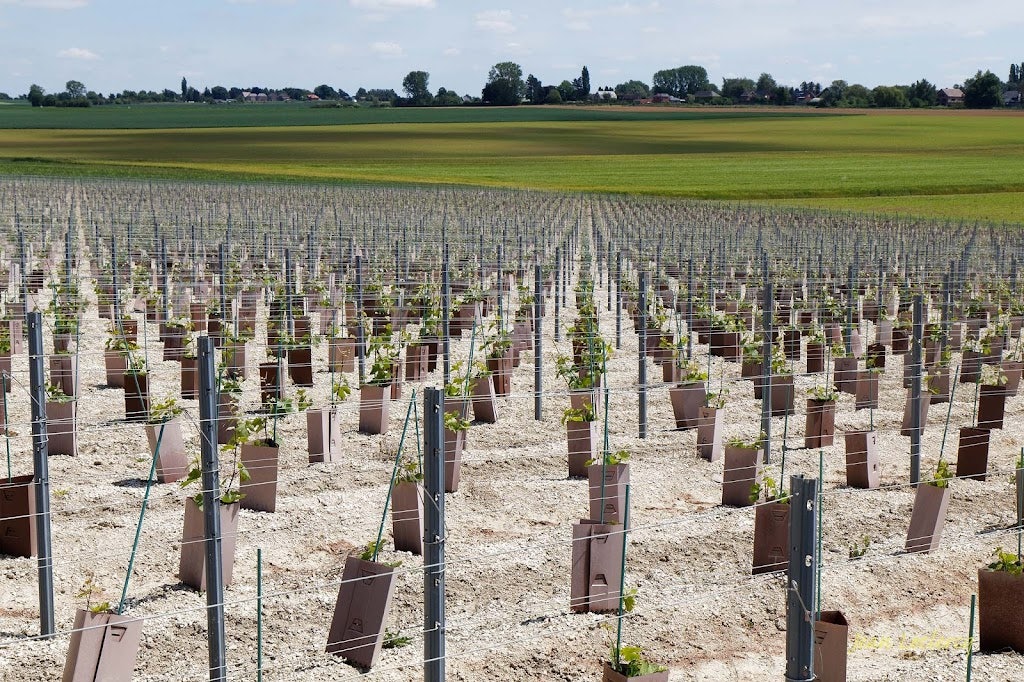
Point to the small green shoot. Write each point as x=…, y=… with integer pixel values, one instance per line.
x=632, y=663
x=395, y=640
x=859, y=549
x=1006, y=562
x=89, y=591
x=371, y=549
x=942, y=475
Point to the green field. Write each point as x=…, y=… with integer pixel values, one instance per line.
x=273, y=114
x=955, y=165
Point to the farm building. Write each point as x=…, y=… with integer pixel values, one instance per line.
x=948, y=96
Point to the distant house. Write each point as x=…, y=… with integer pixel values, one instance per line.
x=750, y=96
x=664, y=98
x=705, y=95
x=313, y=98
x=253, y=96
x=606, y=94
x=948, y=96
x=1011, y=98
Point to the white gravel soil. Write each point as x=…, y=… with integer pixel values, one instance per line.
x=698, y=610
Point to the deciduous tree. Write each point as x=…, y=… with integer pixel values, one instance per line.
x=834, y=93
x=633, y=89
x=36, y=93
x=681, y=81
x=890, y=97
x=75, y=89
x=766, y=85
x=857, y=97
x=382, y=95
x=734, y=88
x=922, y=94
x=447, y=98
x=325, y=91
x=984, y=91
x=505, y=84
x=566, y=91
x=417, y=88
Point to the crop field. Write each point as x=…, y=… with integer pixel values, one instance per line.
x=177, y=115
x=621, y=429
x=960, y=166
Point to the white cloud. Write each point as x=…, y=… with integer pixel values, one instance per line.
x=496, y=20
x=623, y=10
x=79, y=53
x=452, y=52
x=387, y=48
x=393, y=4
x=581, y=20
x=47, y=4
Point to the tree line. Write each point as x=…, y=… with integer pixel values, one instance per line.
x=506, y=86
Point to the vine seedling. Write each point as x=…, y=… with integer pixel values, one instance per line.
x=631, y=662
x=89, y=591
x=371, y=550
x=859, y=549
x=395, y=640
x=579, y=414
x=942, y=475
x=1006, y=562
x=771, y=489
x=612, y=458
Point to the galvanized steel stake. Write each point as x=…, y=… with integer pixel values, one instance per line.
x=41, y=469
x=211, y=509
x=800, y=585
x=434, y=537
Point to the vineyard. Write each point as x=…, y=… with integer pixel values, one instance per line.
x=613, y=393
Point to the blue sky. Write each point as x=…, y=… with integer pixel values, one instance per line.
x=111, y=45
